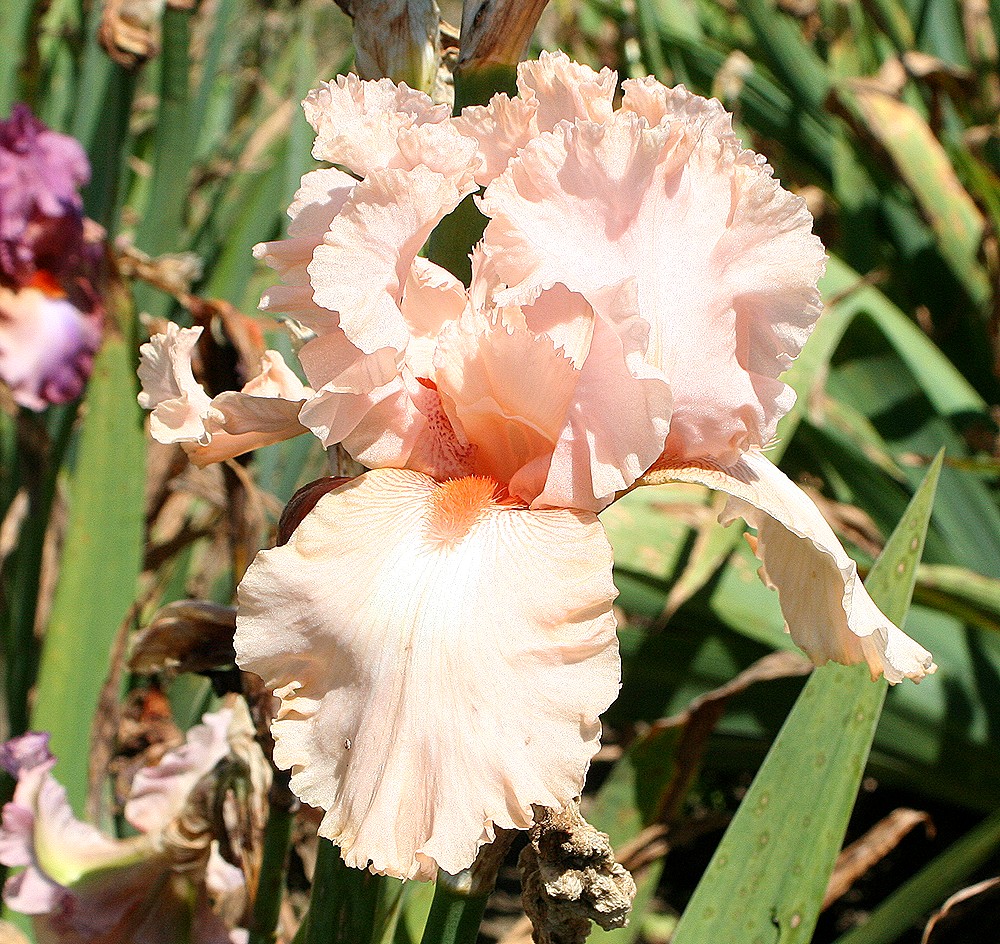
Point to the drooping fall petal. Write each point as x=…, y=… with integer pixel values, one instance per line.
x=827, y=610
x=458, y=683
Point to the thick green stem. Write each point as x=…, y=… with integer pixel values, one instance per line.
x=454, y=916
x=348, y=906
x=273, y=867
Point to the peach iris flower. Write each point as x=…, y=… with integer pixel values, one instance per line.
x=439, y=631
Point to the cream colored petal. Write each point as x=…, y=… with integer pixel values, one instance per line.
x=361, y=270
x=724, y=260
x=566, y=90
x=501, y=128
x=160, y=792
x=826, y=607
x=179, y=403
x=357, y=122
x=459, y=682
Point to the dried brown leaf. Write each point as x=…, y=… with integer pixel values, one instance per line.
x=855, y=860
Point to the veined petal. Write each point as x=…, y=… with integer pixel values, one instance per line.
x=357, y=122
x=160, y=792
x=457, y=684
x=826, y=607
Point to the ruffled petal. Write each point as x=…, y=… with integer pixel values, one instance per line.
x=566, y=90
x=357, y=122
x=160, y=792
x=361, y=270
x=501, y=129
x=826, y=607
x=658, y=104
x=457, y=684
x=47, y=347
x=724, y=260
x=264, y=412
x=491, y=376
x=179, y=403
x=615, y=427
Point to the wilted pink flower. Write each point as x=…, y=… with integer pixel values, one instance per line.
x=83, y=887
x=210, y=429
x=41, y=213
x=642, y=284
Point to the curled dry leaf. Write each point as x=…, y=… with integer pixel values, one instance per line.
x=130, y=30
x=569, y=877
x=186, y=636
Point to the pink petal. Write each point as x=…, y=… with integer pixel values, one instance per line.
x=658, y=104
x=361, y=270
x=264, y=412
x=827, y=609
x=508, y=390
x=458, y=683
x=47, y=347
x=357, y=122
x=406, y=426
x=566, y=90
x=723, y=258
x=160, y=792
x=179, y=403
x=318, y=201
x=501, y=129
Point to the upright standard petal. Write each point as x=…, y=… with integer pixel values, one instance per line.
x=362, y=268
x=827, y=610
x=357, y=122
x=457, y=684
x=566, y=90
x=724, y=260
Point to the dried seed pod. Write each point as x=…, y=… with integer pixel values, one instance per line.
x=569, y=877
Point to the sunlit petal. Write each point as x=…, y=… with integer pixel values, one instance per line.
x=456, y=684
x=826, y=607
